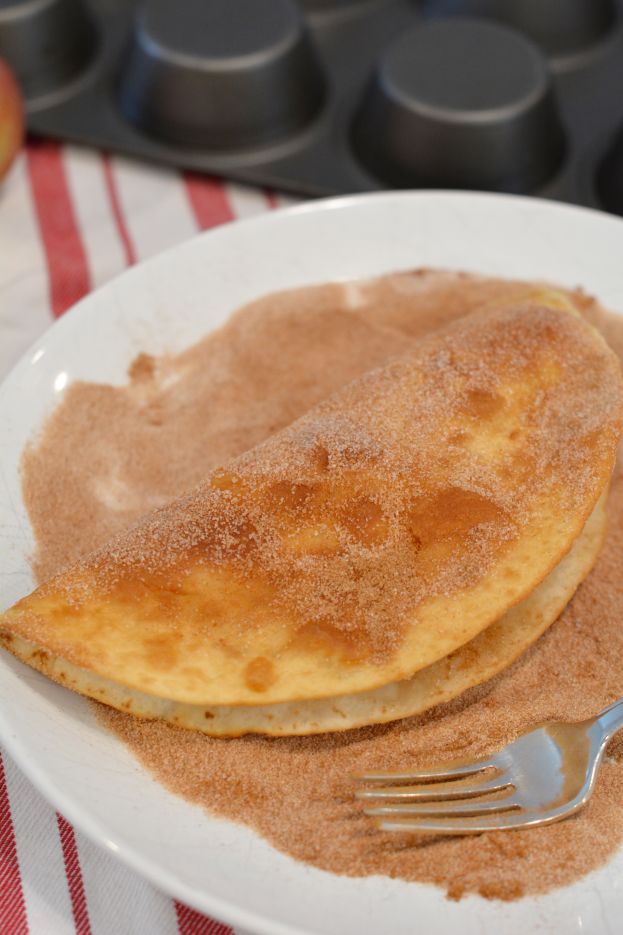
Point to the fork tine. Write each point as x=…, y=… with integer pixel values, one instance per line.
x=449, y=771
x=439, y=791
x=452, y=809
x=464, y=825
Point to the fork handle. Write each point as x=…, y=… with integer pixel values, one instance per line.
x=610, y=720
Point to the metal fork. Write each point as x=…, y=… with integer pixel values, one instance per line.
x=543, y=776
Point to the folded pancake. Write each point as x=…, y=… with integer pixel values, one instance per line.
x=374, y=536
x=483, y=657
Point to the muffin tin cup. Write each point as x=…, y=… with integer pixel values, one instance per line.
x=440, y=114
x=219, y=81
x=311, y=96
x=564, y=29
x=46, y=42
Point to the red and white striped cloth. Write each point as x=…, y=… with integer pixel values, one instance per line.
x=70, y=219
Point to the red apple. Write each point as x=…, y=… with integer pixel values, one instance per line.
x=11, y=119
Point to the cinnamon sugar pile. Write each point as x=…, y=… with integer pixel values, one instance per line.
x=109, y=455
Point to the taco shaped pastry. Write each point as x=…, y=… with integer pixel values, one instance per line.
x=303, y=585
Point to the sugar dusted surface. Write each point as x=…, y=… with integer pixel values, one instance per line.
x=393, y=491
x=110, y=455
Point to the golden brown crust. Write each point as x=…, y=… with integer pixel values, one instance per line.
x=479, y=660
x=375, y=535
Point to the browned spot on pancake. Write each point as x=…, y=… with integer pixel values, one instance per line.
x=64, y=610
x=591, y=441
x=259, y=674
x=226, y=646
x=288, y=495
x=415, y=541
x=548, y=333
x=482, y=404
x=223, y=480
x=322, y=636
x=450, y=514
x=365, y=521
x=320, y=458
x=161, y=651
x=145, y=593
x=519, y=466
x=318, y=538
x=40, y=655
x=236, y=538
x=208, y=715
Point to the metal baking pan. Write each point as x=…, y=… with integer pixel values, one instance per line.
x=327, y=96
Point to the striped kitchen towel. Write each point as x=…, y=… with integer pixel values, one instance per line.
x=70, y=219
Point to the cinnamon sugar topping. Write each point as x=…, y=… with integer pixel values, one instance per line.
x=110, y=455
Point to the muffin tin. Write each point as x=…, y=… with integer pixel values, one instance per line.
x=327, y=96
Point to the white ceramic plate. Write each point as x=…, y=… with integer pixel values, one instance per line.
x=221, y=868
